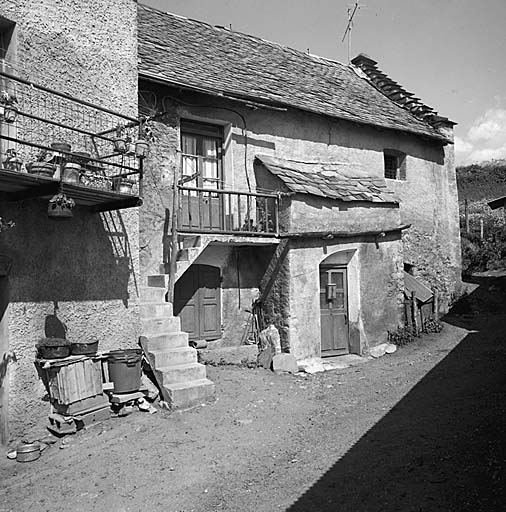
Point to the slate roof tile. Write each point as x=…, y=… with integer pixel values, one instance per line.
x=194, y=54
x=315, y=179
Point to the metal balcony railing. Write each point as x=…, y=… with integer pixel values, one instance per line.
x=203, y=210
x=43, y=130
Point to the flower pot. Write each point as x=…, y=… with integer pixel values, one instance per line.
x=59, y=211
x=131, y=148
x=71, y=173
x=10, y=113
x=13, y=163
x=41, y=169
x=120, y=145
x=141, y=148
x=122, y=185
x=61, y=146
x=84, y=348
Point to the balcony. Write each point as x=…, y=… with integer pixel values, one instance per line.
x=217, y=211
x=51, y=142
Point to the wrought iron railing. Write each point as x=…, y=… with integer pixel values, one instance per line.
x=41, y=126
x=204, y=210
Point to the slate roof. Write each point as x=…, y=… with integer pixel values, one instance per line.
x=196, y=55
x=335, y=181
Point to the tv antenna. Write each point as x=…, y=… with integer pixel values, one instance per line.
x=352, y=10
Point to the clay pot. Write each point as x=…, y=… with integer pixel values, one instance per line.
x=71, y=173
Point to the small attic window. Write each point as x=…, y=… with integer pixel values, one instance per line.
x=395, y=164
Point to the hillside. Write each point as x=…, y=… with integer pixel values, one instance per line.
x=483, y=181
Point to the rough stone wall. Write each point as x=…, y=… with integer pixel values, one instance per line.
x=83, y=273
x=156, y=212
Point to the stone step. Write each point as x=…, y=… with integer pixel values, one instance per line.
x=182, y=373
x=151, y=294
x=167, y=340
x=159, y=280
x=156, y=309
x=173, y=357
x=159, y=325
x=188, y=394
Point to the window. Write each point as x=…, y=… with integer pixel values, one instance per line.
x=201, y=146
x=395, y=164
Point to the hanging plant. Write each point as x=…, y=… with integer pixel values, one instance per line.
x=120, y=142
x=60, y=206
x=9, y=104
x=6, y=224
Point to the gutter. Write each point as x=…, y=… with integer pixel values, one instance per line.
x=329, y=235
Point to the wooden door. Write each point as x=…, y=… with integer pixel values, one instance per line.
x=334, y=311
x=202, y=169
x=197, y=301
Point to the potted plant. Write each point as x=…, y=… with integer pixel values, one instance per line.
x=41, y=167
x=120, y=141
x=60, y=206
x=123, y=185
x=9, y=104
x=12, y=162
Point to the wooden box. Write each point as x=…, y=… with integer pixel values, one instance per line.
x=72, y=381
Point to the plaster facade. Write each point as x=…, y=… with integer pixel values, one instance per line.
x=427, y=201
x=82, y=274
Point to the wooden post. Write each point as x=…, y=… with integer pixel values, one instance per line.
x=436, y=305
x=466, y=217
x=481, y=229
x=414, y=313
x=173, y=239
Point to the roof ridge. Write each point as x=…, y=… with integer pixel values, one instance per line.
x=312, y=56
x=367, y=68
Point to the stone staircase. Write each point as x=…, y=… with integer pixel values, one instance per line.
x=190, y=247
x=181, y=378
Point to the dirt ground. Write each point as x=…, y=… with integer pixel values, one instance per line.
x=422, y=429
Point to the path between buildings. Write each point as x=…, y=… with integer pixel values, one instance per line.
x=419, y=430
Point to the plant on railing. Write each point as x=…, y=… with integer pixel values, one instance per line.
x=8, y=107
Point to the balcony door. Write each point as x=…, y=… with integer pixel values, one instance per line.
x=201, y=146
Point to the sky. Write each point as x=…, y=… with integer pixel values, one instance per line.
x=449, y=53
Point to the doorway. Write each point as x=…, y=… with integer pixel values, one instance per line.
x=334, y=311
x=197, y=301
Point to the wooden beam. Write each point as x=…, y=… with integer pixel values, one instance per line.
x=45, y=189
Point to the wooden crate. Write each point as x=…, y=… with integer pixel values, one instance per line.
x=75, y=380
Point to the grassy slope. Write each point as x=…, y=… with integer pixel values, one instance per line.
x=483, y=181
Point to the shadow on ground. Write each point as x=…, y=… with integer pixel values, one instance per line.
x=443, y=446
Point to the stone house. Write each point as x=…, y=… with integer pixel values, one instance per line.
x=72, y=67
x=274, y=177
x=291, y=180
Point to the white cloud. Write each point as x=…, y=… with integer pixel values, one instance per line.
x=485, y=140
x=462, y=146
x=489, y=127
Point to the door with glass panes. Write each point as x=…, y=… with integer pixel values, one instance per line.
x=201, y=146
x=334, y=311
